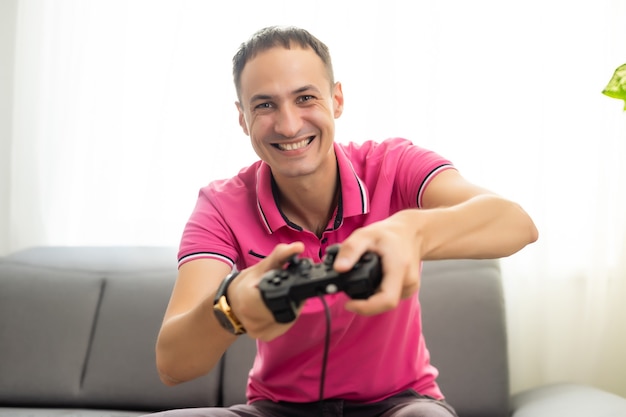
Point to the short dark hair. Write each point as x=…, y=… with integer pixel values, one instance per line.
x=284, y=36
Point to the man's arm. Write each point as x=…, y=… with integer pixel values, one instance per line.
x=467, y=221
x=191, y=341
x=459, y=220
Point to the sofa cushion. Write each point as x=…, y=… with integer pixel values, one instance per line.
x=567, y=399
x=65, y=412
x=120, y=371
x=466, y=297
x=78, y=328
x=238, y=361
x=46, y=322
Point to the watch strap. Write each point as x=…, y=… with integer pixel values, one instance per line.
x=222, y=309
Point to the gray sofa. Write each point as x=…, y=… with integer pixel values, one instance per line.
x=78, y=327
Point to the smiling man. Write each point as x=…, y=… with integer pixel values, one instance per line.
x=307, y=192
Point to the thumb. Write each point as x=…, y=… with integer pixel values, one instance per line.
x=281, y=254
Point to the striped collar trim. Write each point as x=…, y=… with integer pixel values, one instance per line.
x=353, y=197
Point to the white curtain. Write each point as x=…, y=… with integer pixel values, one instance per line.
x=117, y=111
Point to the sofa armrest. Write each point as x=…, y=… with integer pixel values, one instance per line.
x=567, y=399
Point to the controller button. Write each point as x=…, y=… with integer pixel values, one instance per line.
x=331, y=288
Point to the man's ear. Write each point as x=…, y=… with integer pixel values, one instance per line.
x=337, y=100
x=242, y=118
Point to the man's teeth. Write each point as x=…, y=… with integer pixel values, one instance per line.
x=294, y=146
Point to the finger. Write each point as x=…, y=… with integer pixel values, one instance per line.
x=386, y=298
x=281, y=254
x=409, y=290
x=413, y=281
x=350, y=251
x=378, y=303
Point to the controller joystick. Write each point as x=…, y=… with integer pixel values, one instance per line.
x=283, y=290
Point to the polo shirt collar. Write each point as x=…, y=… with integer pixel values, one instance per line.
x=353, y=197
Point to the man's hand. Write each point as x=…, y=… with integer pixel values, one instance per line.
x=245, y=297
x=399, y=250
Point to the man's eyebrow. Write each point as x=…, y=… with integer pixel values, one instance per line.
x=300, y=90
x=260, y=97
x=306, y=88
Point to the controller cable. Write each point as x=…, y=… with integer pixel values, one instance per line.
x=326, y=349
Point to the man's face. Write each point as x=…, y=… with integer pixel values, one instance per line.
x=288, y=109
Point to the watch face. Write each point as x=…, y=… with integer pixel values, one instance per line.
x=223, y=319
x=222, y=310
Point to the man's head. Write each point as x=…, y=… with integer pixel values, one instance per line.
x=278, y=36
x=288, y=101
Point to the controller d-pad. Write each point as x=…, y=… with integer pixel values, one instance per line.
x=278, y=278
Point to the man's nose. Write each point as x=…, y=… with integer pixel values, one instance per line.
x=288, y=121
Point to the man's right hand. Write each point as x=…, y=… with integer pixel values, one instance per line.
x=245, y=298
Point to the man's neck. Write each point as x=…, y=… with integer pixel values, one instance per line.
x=309, y=202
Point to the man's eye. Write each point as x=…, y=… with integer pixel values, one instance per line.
x=306, y=98
x=263, y=106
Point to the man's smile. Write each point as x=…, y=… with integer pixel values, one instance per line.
x=294, y=146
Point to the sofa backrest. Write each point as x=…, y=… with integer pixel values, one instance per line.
x=78, y=328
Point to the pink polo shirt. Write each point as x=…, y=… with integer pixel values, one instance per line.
x=238, y=222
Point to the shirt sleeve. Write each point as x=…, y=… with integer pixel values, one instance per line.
x=413, y=168
x=207, y=234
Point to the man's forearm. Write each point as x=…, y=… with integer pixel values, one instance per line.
x=485, y=226
x=190, y=345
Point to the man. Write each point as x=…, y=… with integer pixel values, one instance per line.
x=403, y=202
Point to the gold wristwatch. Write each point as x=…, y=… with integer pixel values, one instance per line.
x=222, y=310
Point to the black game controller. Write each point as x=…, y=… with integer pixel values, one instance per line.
x=283, y=290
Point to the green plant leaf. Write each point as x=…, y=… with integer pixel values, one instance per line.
x=616, y=88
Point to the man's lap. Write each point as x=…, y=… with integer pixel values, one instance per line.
x=405, y=404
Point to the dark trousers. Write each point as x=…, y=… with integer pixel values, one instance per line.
x=406, y=404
